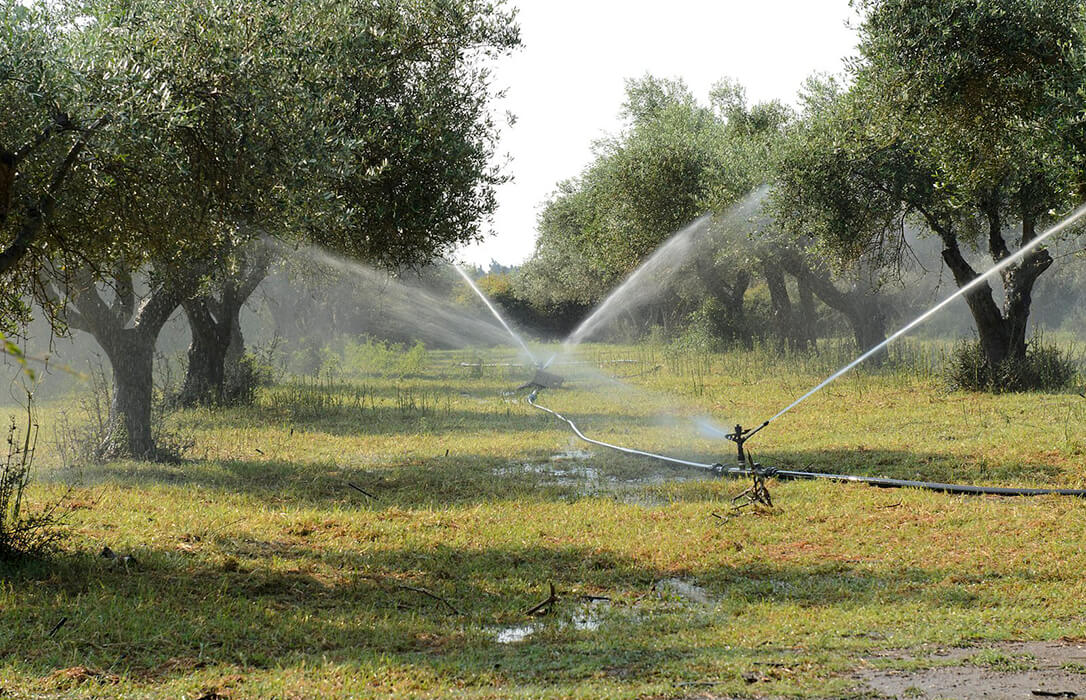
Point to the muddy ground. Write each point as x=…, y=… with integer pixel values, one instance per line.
x=1003, y=671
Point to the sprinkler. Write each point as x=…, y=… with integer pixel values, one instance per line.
x=543, y=380
x=756, y=492
x=739, y=437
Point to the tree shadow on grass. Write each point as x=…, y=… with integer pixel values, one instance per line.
x=391, y=420
x=256, y=605
x=465, y=479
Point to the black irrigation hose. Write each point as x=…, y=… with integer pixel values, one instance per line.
x=885, y=483
x=879, y=482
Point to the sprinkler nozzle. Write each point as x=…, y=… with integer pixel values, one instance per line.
x=740, y=436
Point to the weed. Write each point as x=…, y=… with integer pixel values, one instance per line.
x=1003, y=662
x=23, y=532
x=1046, y=367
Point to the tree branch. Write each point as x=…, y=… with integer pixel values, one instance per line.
x=125, y=303
x=93, y=314
x=175, y=287
x=30, y=229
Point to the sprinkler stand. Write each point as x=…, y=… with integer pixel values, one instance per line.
x=756, y=492
x=543, y=380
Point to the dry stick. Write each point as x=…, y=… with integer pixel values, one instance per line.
x=427, y=593
x=381, y=583
x=551, y=600
x=57, y=627
x=223, y=527
x=362, y=491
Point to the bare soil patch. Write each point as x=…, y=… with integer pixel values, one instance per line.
x=1008, y=671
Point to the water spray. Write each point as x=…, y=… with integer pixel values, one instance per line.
x=746, y=466
x=999, y=267
x=501, y=320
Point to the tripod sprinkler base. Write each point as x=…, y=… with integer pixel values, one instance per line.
x=544, y=380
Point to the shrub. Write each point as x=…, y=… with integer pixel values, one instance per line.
x=242, y=378
x=1045, y=367
x=22, y=532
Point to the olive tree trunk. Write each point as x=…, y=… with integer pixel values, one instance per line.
x=1001, y=332
x=217, y=342
x=860, y=305
x=127, y=332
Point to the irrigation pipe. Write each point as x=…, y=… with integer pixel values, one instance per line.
x=618, y=448
x=879, y=482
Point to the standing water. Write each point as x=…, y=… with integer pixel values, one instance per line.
x=1003, y=264
x=494, y=311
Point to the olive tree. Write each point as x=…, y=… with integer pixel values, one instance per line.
x=963, y=116
x=675, y=161
x=361, y=126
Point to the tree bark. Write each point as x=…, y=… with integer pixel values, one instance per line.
x=206, y=356
x=1002, y=332
x=779, y=302
x=217, y=343
x=860, y=306
x=127, y=333
x=807, y=314
x=129, y=434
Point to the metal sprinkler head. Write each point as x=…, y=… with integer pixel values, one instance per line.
x=757, y=493
x=739, y=437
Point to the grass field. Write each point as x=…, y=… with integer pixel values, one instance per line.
x=259, y=571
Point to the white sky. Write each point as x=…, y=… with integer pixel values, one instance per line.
x=565, y=85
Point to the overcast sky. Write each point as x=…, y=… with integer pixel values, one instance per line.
x=565, y=85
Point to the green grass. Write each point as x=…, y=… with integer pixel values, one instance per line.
x=260, y=573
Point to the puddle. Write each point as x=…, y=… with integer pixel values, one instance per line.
x=683, y=589
x=563, y=470
x=562, y=476
x=588, y=617
x=571, y=454
x=1001, y=671
x=518, y=633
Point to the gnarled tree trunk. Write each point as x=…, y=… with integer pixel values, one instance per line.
x=779, y=301
x=861, y=307
x=1002, y=332
x=127, y=333
x=731, y=297
x=217, y=342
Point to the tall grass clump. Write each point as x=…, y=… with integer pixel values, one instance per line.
x=23, y=532
x=374, y=358
x=1046, y=367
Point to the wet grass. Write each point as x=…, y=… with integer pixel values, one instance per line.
x=259, y=572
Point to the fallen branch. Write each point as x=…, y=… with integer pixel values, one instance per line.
x=414, y=589
x=57, y=627
x=427, y=593
x=541, y=609
x=362, y=491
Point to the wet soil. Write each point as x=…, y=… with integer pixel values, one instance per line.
x=1004, y=671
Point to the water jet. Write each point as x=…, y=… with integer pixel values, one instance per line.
x=745, y=464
